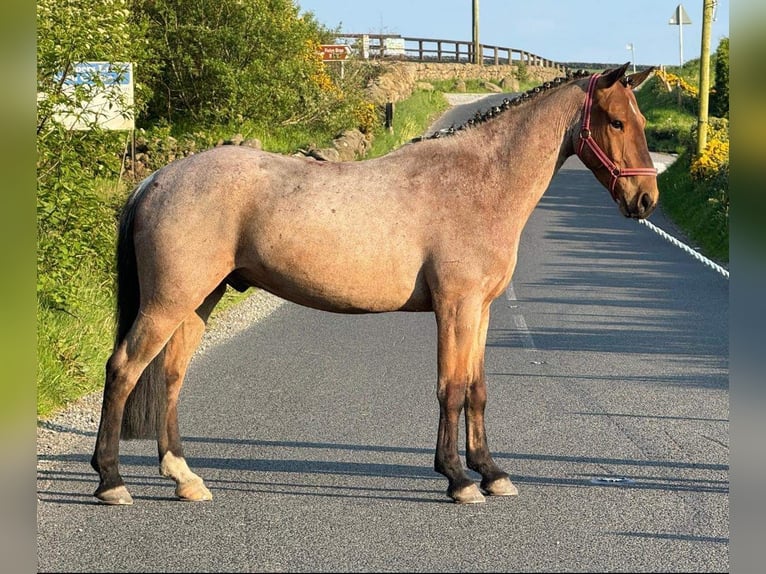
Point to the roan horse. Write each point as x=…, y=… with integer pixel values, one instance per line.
x=433, y=226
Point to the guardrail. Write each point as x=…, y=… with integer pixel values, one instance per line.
x=393, y=47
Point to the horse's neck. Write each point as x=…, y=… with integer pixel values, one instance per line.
x=537, y=135
x=530, y=143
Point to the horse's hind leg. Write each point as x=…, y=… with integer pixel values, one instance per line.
x=178, y=354
x=494, y=481
x=131, y=356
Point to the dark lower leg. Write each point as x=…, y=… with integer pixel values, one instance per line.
x=447, y=461
x=105, y=460
x=494, y=480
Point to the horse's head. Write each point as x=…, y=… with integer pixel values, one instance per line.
x=612, y=144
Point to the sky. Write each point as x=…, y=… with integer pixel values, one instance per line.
x=559, y=30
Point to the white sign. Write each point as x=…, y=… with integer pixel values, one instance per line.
x=393, y=46
x=679, y=17
x=104, y=95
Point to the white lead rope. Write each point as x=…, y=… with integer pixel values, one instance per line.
x=683, y=246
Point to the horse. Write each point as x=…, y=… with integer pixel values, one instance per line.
x=433, y=226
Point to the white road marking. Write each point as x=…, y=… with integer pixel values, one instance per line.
x=520, y=325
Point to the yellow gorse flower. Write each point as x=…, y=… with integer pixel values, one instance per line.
x=320, y=77
x=679, y=82
x=714, y=159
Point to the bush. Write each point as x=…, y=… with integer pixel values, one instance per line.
x=230, y=61
x=719, y=98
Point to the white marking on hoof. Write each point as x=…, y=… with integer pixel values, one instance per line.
x=189, y=486
x=195, y=491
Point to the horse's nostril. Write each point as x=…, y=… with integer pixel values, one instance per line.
x=645, y=203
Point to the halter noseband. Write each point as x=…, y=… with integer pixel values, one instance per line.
x=587, y=138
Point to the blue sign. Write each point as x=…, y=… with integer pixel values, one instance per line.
x=98, y=73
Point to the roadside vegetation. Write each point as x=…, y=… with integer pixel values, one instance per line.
x=694, y=191
x=285, y=98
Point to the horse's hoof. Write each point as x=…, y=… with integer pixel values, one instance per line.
x=194, y=491
x=118, y=495
x=467, y=495
x=500, y=487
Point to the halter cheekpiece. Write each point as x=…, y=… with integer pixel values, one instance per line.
x=587, y=139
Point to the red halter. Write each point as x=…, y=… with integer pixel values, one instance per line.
x=587, y=138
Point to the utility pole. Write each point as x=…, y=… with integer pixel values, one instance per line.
x=477, y=59
x=707, y=21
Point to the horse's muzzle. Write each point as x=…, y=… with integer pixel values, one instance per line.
x=641, y=209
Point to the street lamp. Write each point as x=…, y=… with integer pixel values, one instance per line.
x=632, y=55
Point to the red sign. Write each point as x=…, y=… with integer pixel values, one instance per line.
x=334, y=51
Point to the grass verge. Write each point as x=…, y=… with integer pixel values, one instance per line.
x=411, y=118
x=73, y=347
x=694, y=207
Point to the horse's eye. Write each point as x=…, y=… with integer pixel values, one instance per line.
x=616, y=124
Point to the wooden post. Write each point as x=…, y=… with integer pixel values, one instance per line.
x=477, y=59
x=707, y=19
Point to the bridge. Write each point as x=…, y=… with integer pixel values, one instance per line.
x=396, y=47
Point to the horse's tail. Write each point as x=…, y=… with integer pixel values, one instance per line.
x=146, y=404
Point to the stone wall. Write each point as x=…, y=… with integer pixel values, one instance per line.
x=398, y=79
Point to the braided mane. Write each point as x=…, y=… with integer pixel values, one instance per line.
x=481, y=117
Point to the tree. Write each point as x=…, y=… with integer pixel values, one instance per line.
x=719, y=99
x=220, y=60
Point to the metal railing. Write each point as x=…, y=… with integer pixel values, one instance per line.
x=393, y=47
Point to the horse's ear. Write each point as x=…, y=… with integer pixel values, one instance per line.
x=635, y=80
x=609, y=77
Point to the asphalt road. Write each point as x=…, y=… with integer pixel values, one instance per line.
x=607, y=364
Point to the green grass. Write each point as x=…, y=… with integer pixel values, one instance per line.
x=696, y=208
x=670, y=119
x=73, y=347
x=412, y=117
x=471, y=86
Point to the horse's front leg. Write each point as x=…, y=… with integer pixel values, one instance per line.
x=178, y=355
x=459, y=365
x=495, y=481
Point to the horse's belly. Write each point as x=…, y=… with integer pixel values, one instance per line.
x=350, y=286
